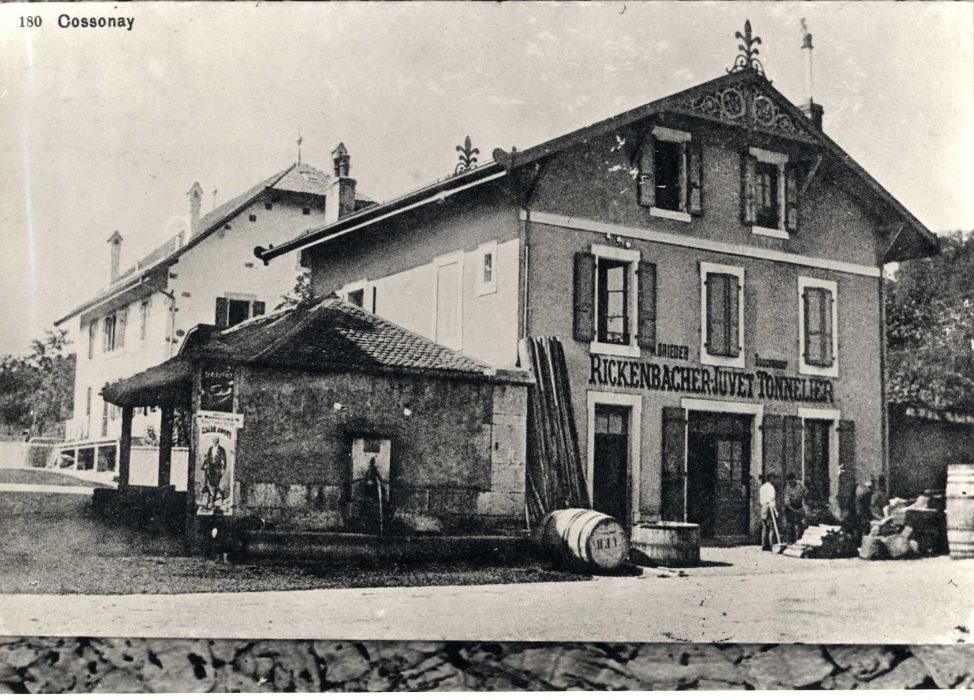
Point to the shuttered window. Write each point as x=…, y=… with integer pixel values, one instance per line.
x=817, y=320
x=229, y=312
x=770, y=192
x=818, y=326
x=614, y=301
x=722, y=314
x=671, y=174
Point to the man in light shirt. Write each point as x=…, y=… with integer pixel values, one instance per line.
x=766, y=495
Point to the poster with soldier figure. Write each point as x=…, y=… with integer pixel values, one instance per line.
x=216, y=440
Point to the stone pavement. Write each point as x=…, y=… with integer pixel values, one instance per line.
x=757, y=598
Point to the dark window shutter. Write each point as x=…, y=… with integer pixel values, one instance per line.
x=713, y=288
x=733, y=316
x=808, y=298
x=120, y=325
x=647, y=179
x=584, y=317
x=647, y=305
x=695, y=176
x=773, y=445
x=748, y=177
x=674, y=464
x=826, y=298
x=847, y=465
x=792, y=446
x=258, y=308
x=791, y=197
x=222, y=312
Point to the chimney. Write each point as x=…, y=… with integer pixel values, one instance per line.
x=813, y=111
x=115, y=246
x=340, y=195
x=195, y=203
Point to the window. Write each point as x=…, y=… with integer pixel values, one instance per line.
x=357, y=298
x=769, y=198
x=306, y=211
x=817, y=323
x=487, y=261
x=268, y=205
x=92, y=334
x=253, y=217
x=722, y=315
x=108, y=333
x=448, y=309
x=671, y=175
x=615, y=301
x=233, y=310
x=144, y=318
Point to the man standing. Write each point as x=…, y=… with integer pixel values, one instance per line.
x=214, y=467
x=767, y=495
x=794, y=510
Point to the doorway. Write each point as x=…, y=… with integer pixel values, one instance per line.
x=610, y=473
x=718, y=474
x=816, y=463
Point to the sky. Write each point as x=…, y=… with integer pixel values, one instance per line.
x=107, y=129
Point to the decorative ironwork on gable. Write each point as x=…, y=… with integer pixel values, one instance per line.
x=747, y=59
x=468, y=157
x=750, y=104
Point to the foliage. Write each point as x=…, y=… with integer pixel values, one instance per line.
x=930, y=328
x=301, y=294
x=36, y=390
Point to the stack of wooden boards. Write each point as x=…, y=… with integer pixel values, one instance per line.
x=822, y=542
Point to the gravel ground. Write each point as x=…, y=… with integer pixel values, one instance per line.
x=51, y=543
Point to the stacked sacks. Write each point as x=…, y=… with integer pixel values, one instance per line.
x=909, y=528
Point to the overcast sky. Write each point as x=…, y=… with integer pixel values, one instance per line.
x=105, y=129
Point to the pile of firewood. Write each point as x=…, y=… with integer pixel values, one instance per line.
x=908, y=529
x=823, y=542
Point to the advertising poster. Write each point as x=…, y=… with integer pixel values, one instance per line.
x=216, y=389
x=216, y=446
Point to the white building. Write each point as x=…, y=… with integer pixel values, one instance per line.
x=209, y=276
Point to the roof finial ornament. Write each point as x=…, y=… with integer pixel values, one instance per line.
x=300, y=141
x=468, y=156
x=747, y=60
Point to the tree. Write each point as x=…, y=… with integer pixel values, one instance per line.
x=36, y=390
x=930, y=328
x=301, y=294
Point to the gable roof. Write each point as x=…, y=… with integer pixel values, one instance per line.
x=325, y=334
x=299, y=178
x=743, y=99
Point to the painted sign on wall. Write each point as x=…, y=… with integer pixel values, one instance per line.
x=216, y=389
x=707, y=381
x=216, y=451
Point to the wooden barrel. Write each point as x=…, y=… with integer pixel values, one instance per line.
x=586, y=537
x=960, y=510
x=668, y=543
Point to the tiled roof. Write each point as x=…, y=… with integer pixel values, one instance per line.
x=335, y=334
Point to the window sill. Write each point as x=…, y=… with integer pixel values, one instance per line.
x=597, y=348
x=816, y=371
x=486, y=291
x=720, y=360
x=670, y=214
x=771, y=232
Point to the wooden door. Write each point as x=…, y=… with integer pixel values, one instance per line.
x=610, y=477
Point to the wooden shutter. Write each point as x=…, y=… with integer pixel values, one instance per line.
x=584, y=301
x=222, y=312
x=847, y=465
x=672, y=485
x=733, y=316
x=791, y=197
x=647, y=305
x=773, y=448
x=792, y=446
x=647, y=180
x=695, y=176
x=120, y=324
x=258, y=308
x=809, y=299
x=713, y=286
x=825, y=296
x=749, y=166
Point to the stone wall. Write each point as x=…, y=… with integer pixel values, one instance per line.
x=457, y=457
